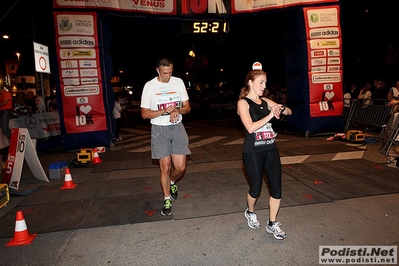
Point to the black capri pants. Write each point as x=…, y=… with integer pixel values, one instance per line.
x=267, y=162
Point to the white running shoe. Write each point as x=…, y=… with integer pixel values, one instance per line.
x=252, y=219
x=276, y=230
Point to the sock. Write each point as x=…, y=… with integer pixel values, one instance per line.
x=165, y=198
x=250, y=212
x=172, y=183
x=271, y=223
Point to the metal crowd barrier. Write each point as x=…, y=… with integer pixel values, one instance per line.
x=362, y=116
x=389, y=134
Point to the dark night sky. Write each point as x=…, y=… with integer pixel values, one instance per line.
x=138, y=42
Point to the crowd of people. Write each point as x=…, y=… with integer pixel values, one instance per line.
x=378, y=93
x=23, y=104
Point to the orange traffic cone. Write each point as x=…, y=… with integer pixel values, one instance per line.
x=68, y=183
x=21, y=234
x=96, y=158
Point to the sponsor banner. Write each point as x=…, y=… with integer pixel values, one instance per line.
x=323, y=33
x=258, y=5
x=187, y=7
x=166, y=7
x=40, y=126
x=81, y=82
x=361, y=255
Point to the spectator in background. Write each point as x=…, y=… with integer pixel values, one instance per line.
x=39, y=101
x=6, y=109
x=354, y=91
x=30, y=101
x=52, y=106
x=380, y=93
x=116, y=112
x=347, y=99
x=393, y=97
x=123, y=103
x=393, y=93
x=21, y=108
x=365, y=95
x=48, y=100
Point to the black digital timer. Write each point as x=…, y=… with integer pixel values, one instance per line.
x=204, y=27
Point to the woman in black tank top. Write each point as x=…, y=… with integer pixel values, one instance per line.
x=260, y=153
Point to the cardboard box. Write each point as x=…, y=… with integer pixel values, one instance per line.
x=4, y=195
x=57, y=170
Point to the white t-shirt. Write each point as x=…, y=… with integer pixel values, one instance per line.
x=117, y=110
x=347, y=100
x=395, y=92
x=158, y=95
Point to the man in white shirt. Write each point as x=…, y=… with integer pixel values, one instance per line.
x=164, y=100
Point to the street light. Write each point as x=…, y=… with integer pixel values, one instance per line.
x=18, y=55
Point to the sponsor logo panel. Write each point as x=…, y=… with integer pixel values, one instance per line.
x=334, y=60
x=87, y=63
x=89, y=80
x=327, y=77
x=82, y=100
x=318, y=69
x=76, y=41
x=70, y=73
x=320, y=43
x=318, y=53
x=334, y=68
x=318, y=61
x=71, y=24
x=88, y=72
x=323, y=17
x=81, y=90
x=328, y=87
x=71, y=81
x=334, y=52
x=69, y=64
x=324, y=33
x=81, y=53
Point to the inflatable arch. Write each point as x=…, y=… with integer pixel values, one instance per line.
x=313, y=50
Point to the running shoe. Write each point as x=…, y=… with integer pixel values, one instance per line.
x=252, y=219
x=276, y=230
x=167, y=207
x=173, y=192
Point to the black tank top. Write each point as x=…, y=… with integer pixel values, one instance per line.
x=264, y=138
